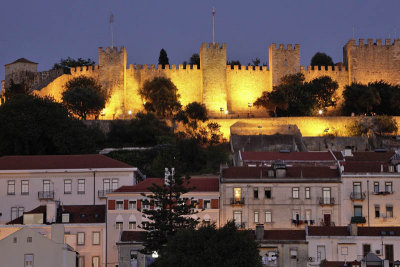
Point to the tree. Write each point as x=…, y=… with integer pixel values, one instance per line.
x=160, y=96
x=209, y=247
x=173, y=213
x=84, y=97
x=67, y=64
x=163, y=58
x=324, y=89
x=384, y=125
x=360, y=99
x=321, y=59
x=195, y=60
x=233, y=63
x=16, y=89
x=192, y=114
x=40, y=126
x=256, y=61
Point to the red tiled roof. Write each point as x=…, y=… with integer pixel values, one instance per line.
x=78, y=213
x=371, y=156
x=284, y=235
x=291, y=156
x=59, y=162
x=22, y=60
x=199, y=184
x=363, y=166
x=291, y=172
x=338, y=155
x=339, y=263
x=328, y=231
x=378, y=231
x=133, y=236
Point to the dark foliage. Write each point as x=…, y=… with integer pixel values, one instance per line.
x=16, y=89
x=67, y=64
x=163, y=58
x=321, y=59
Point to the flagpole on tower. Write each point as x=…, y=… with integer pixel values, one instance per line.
x=213, y=23
x=111, y=27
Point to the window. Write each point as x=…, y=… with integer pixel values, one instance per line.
x=145, y=204
x=293, y=253
x=357, y=190
x=28, y=260
x=256, y=219
x=95, y=261
x=321, y=255
x=46, y=185
x=207, y=204
x=366, y=249
x=119, y=205
x=344, y=251
x=391, y=168
x=237, y=193
x=24, y=187
x=295, y=192
x=308, y=216
x=67, y=186
x=326, y=195
x=11, y=187
x=376, y=187
x=194, y=203
x=81, y=186
x=65, y=218
x=307, y=191
x=388, y=187
x=357, y=211
x=96, y=238
x=81, y=261
x=114, y=184
x=119, y=225
x=134, y=254
x=132, y=225
x=268, y=216
x=14, y=240
x=389, y=211
x=377, y=211
x=16, y=212
x=81, y=238
x=106, y=184
x=29, y=239
x=237, y=216
x=296, y=215
x=132, y=204
x=268, y=193
x=271, y=173
x=255, y=193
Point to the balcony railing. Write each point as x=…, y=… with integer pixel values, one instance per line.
x=326, y=201
x=382, y=192
x=46, y=194
x=358, y=219
x=237, y=201
x=103, y=193
x=357, y=195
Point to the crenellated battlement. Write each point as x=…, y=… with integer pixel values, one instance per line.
x=112, y=50
x=247, y=68
x=84, y=69
x=371, y=43
x=112, y=56
x=281, y=47
x=322, y=68
x=159, y=67
x=213, y=46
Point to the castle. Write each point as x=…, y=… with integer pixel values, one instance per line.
x=219, y=86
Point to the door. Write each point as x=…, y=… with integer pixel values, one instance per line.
x=326, y=194
x=357, y=190
x=321, y=253
x=327, y=219
x=389, y=253
x=46, y=185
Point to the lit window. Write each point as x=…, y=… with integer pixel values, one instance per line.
x=207, y=204
x=307, y=193
x=81, y=186
x=256, y=219
x=119, y=225
x=81, y=238
x=268, y=216
x=24, y=187
x=237, y=193
x=119, y=205
x=65, y=218
x=67, y=186
x=11, y=187
x=295, y=192
x=132, y=225
x=96, y=238
x=132, y=204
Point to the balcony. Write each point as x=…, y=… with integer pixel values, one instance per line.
x=237, y=201
x=103, y=193
x=326, y=201
x=42, y=195
x=357, y=195
x=358, y=219
x=382, y=192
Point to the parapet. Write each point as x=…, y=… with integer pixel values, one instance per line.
x=167, y=68
x=110, y=50
x=322, y=68
x=246, y=68
x=370, y=42
x=289, y=47
x=84, y=69
x=213, y=46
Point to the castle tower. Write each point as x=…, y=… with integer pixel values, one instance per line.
x=213, y=75
x=112, y=66
x=19, y=71
x=283, y=61
x=372, y=61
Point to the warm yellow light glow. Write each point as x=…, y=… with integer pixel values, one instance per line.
x=320, y=112
x=130, y=112
x=237, y=191
x=226, y=112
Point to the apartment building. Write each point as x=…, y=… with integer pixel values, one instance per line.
x=352, y=243
x=83, y=225
x=280, y=196
x=125, y=206
x=30, y=181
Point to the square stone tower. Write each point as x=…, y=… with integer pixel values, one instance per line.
x=283, y=61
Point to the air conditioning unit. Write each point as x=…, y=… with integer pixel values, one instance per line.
x=378, y=252
x=310, y=259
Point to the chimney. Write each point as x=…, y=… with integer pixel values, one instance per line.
x=259, y=232
x=57, y=233
x=353, y=229
x=51, y=212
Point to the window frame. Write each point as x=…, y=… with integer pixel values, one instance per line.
x=268, y=189
x=64, y=215
x=119, y=225
x=268, y=216
x=98, y=261
x=377, y=208
x=358, y=207
x=255, y=193
x=23, y=192
x=130, y=206
x=132, y=223
x=96, y=233
x=11, y=185
x=67, y=182
x=256, y=217
x=119, y=204
x=387, y=185
x=78, y=240
x=389, y=212
x=307, y=192
x=81, y=182
x=376, y=187
x=295, y=190
x=114, y=186
x=208, y=201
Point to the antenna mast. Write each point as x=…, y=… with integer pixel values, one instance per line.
x=111, y=27
x=213, y=23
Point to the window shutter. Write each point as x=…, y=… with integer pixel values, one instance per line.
x=214, y=203
x=200, y=203
x=111, y=204
x=139, y=204
x=125, y=204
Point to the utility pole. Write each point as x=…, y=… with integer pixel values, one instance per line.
x=111, y=28
x=213, y=24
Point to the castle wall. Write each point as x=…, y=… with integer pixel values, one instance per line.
x=283, y=61
x=244, y=86
x=369, y=62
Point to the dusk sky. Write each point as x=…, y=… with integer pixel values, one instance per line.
x=45, y=31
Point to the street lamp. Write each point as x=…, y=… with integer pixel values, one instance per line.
x=130, y=112
x=320, y=112
x=226, y=114
x=221, y=110
x=250, y=105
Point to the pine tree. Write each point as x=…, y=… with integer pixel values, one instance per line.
x=163, y=58
x=171, y=211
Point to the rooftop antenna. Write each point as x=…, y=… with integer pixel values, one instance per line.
x=111, y=27
x=213, y=23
